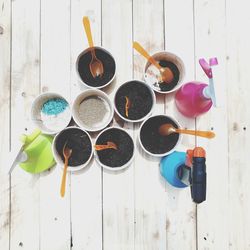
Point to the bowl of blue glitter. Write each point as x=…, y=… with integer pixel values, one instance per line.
x=50, y=112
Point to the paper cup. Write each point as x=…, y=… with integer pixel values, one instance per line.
x=59, y=139
x=83, y=68
x=82, y=120
x=126, y=164
x=150, y=70
x=49, y=124
x=129, y=84
x=152, y=139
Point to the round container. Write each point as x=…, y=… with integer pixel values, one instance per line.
x=165, y=59
x=83, y=69
x=79, y=141
x=85, y=116
x=123, y=140
x=152, y=142
x=141, y=98
x=50, y=123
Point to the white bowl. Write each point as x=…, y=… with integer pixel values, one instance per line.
x=144, y=117
x=171, y=58
x=166, y=153
x=58, y=157
x=84, y=95
x=39, y=120
x=85, y=83
x=114, y=168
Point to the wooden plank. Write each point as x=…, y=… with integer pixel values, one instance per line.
x=24, y=87
x=55, y=224
x=150, y=194
x=179, y=39
x=118, y=188
x=210, y=41
x=5, y=41
x=86, y=186
x=237, y=80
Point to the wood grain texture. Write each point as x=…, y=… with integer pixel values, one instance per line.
x=118, y=188
x=55, y=77
x=5, y=67
x=25, y=78
x=212, y=215
x=237, y=80
x=150, y=194
x=86, y=186
x=179, y=39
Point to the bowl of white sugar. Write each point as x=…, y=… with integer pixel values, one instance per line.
x=92, y=110
x=50, y=112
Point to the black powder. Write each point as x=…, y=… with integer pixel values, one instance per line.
x=78, y=141
x=152, y=140
x=125, y=148
x=108, y=66
x=169, y=86
x=140, y=97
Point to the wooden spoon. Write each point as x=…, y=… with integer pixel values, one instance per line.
x=66, y=153
x=167, y=129
x=95, y=66
x=166, y=74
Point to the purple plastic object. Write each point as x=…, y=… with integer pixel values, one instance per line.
x=196, y=98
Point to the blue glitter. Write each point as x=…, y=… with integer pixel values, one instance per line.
x=54, y=106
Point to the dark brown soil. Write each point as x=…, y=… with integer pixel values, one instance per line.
x=80, y=144
x=140, y=97
x=115, y=158
x=169, y=86
x=152, y=140
x=108, y=66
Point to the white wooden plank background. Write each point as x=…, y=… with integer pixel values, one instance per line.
x=135, y=209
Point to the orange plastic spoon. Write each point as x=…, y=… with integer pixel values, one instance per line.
x=66, y=153
x=107, y=146
x=167, y=129
x=95, y=66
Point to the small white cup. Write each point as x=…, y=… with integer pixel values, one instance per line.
x=114, y=168
x=88, y=93
x=86, y=84
x=36, y=115
x=168, y=152
x=148, y=114
x=167, y=56
x=58, y=157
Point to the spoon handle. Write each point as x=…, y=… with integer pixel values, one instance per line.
x=206, y=134
x=144, y=53
x=63, y=184
x=86, y=25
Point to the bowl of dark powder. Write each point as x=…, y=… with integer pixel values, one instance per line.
x=83, y=70
x=92, y=110
x=152, y=142
x=118, y=157
x=79, y=141
x=134, y=101
x=166, y=60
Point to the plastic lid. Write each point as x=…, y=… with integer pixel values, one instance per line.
x=199, y=152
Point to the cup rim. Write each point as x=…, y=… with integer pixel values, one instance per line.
x=144, y=117
x=180, y=82
x=33, y=107
x=127, y=164
x=168, y=152
x=59, y=160
x=77, y=62
x=96, y=92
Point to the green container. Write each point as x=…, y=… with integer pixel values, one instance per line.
x=38, y=150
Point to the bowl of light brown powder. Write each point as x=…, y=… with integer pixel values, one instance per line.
x=92, y=110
